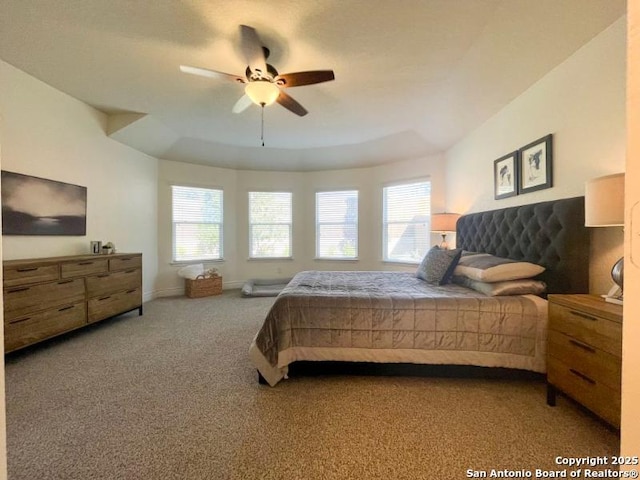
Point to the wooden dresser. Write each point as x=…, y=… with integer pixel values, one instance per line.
x=584, y=353
x=45, y=297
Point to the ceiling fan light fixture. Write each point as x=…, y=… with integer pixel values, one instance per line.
x=262, y=92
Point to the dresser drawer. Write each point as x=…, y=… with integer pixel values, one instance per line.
x=105, y=284
x=594, y=395
x=83, y=268
x=27, y=274
x=100, y=308
x=125, y=262
x=587, y=328
x=594, y=363
x=21, y=301
x=24, y=331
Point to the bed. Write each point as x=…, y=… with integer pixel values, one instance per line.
x=396, y=318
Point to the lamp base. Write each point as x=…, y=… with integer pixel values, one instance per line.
x=444, y=245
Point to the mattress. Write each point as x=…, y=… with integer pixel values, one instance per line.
x=394, y=317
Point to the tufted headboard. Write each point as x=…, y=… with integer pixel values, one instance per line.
x=551, y=234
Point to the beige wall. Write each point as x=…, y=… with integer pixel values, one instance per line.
x=52, y=135
x=236, y=267
x=630, y=431
x=582, y=102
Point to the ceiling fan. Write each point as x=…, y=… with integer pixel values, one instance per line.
x=263, y=84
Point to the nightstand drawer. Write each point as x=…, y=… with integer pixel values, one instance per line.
x=594, y=395
x=596, y=364
x=587, y=328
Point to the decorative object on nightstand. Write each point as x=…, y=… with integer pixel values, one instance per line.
x=584, y=353
x=604, y=207
x=444, y=223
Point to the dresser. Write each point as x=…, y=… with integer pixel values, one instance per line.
x=584, y=353
x=45, y=297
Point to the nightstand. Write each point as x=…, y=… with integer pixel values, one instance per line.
x=584, y=353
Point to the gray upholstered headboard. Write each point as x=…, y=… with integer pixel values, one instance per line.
x=551, y=234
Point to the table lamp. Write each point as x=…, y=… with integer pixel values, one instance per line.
x=604, y=207
x=444, y=223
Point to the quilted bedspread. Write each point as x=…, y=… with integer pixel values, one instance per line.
x=396, y=317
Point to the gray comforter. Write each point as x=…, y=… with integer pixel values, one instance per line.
x=396, y=317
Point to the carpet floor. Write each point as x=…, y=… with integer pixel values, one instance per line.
x=172, y=395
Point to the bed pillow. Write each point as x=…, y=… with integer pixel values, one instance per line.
x=489, y=268
x=510, y=287
x=437, y=265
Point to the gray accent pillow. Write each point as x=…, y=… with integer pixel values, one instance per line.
x=489, y=268
x=437, y=265
x=510, y=287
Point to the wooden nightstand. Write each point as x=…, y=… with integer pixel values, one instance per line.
x=584, y=353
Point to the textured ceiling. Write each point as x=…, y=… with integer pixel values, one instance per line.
x=412, y=76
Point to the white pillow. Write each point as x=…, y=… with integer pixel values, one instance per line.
x=524, y=286
x=489, y=268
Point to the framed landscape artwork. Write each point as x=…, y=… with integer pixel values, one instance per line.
x=37, y=206
x=505, y=176
x=536, y=165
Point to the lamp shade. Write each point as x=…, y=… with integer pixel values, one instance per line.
x=262, y=92
x=444, y=222
x=604, y=201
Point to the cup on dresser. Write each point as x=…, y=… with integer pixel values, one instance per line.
x=95, y=247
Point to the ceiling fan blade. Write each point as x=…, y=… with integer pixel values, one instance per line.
x=298, y=79
x=242, y=104
x=290, y=104
x=204, y=72
x=252, y=49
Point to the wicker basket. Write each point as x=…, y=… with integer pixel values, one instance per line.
x=203, y=286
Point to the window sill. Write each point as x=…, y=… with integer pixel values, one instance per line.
x=336, y=259
x=398, y=262
x=269, y=259
x=182, y=263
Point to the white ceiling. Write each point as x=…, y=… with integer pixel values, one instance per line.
x=412, y=76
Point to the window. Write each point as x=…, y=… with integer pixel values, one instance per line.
x=406, y=212
x=197, y=223
x=270, y=224
x=337, y=224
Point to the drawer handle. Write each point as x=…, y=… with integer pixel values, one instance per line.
x=16, y=290
x=104, y=275
x=132, y=291
x=65, y=308
x=130, y=271
x=582, y=376
x=64, y=281
x=27, y=269
x=582, y=346
x=583, y=315
x=126, y=259
x=104, y=298
x=85, y=263
x=20, y=321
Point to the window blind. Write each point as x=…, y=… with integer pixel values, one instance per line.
x=406, y=214
x=270, y=224
x=197, y=223
x=337, y=224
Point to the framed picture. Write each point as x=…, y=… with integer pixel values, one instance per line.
x=536, y=165
x=37, y=206
x=505, y=176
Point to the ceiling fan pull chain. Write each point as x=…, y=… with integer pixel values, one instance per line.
x=262, y=124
